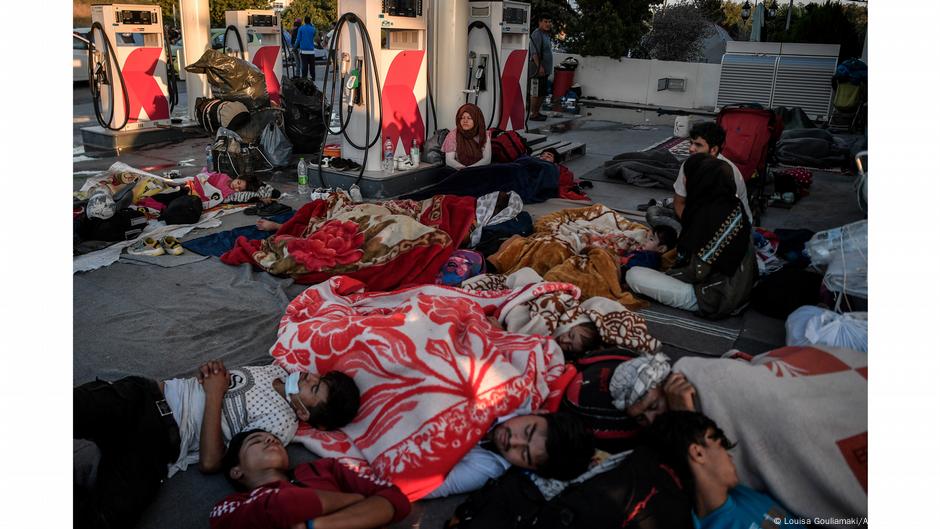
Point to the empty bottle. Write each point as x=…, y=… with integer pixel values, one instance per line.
x=415, y=153
x=302, y=189
x=389, y=156
x=209, y=167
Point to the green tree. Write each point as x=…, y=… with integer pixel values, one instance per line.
x=830, y=23
x=610, y=28
x=561, y=13
x=322, y=13
x=711, y=10
x=676, y=32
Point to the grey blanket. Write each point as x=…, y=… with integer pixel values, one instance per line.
x=655, y=168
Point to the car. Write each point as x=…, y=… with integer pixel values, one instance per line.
x=80, y=55
x=218, y=34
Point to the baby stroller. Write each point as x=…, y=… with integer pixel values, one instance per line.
x=848, y=101
x=750, y=133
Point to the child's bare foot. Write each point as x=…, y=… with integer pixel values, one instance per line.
x=267, y=225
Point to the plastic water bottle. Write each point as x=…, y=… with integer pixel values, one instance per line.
x=388, y=159
x=415, y=153
x=302, y=188
x=209, y=168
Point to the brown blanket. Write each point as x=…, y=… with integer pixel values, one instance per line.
x=578, y=246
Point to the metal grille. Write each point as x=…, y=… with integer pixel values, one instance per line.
x=805, y=82
x=746, y=79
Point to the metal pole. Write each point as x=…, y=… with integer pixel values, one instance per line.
x=789, y=12
x=194, y=15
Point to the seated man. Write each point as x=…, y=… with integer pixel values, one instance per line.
x=708, y=138
x=553, y=445
x=323, y=493
x=697, y=449
x=141, y=426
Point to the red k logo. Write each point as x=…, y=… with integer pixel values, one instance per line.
x=513, y=104
x=143, y=92
x=266, y=59
x=401, y=118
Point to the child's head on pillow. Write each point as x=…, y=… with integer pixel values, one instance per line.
x=245, y=183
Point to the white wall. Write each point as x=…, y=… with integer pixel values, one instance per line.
x=635, y=81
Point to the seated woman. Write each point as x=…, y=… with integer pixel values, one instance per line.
x=468, y=154
x=715, y=263
x=468, y=145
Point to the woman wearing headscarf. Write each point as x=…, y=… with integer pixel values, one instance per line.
x=468, y=144
x=715, y=265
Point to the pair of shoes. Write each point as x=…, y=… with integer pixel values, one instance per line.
x=343, y=164
x=267, y=210
x=146, y=246
x=540, y=117
x=171, y=245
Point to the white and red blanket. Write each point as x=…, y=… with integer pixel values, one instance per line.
x=434, y=372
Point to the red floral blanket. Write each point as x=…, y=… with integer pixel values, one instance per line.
x=386, y=246
x=433, y=370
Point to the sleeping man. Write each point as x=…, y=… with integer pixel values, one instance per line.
x=553, y=445
x=141, y=426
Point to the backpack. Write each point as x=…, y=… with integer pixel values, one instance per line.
x=588, y=397
x=507, y=146
x=640, y=493
x=126, y=224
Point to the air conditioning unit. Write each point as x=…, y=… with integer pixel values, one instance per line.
x=776, y=74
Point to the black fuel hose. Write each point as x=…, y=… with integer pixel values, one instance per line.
x=95, y=84
x=498, y=85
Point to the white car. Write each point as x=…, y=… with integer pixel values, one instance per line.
x=80, y=55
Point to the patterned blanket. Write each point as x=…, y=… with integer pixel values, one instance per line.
x=386, y=245
x=800, y=418
x=578, y=246
x=433, y=370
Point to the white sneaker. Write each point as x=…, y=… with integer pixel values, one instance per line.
x=146, y=246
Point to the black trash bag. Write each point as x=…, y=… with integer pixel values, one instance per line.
x=303, y=120
x=233, y=79
x=794, y=118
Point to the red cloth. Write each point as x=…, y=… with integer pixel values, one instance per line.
x=566, y=181
x=454, y=216
x=281, y=504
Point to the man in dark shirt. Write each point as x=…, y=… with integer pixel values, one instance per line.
x=540, y=66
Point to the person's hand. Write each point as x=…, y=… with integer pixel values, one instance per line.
x=680, y=394
x=267, y=200
x=214, y=377
x=267, y=225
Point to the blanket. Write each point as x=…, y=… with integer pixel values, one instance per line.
x=434, y=372
x=557, y=311
x=385, y=245
x=655, y=168
x=578, y=246
x=799, y=416
x=533, y=179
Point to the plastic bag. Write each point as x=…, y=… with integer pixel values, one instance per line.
x=276, y=146
x=304, y=115
x=233, y=79
x=809, y=325
x=432, y=147
x=843, y=252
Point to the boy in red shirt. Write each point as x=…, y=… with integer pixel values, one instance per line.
x=321, y=494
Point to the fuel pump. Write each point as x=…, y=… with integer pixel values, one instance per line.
x=498, y=47
x=255, y=36
x=131, y=83
x=378, y=63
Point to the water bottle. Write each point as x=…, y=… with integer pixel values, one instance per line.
x=209, y=167
x=302, y=188
x=415, y=153
x=388, y=159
